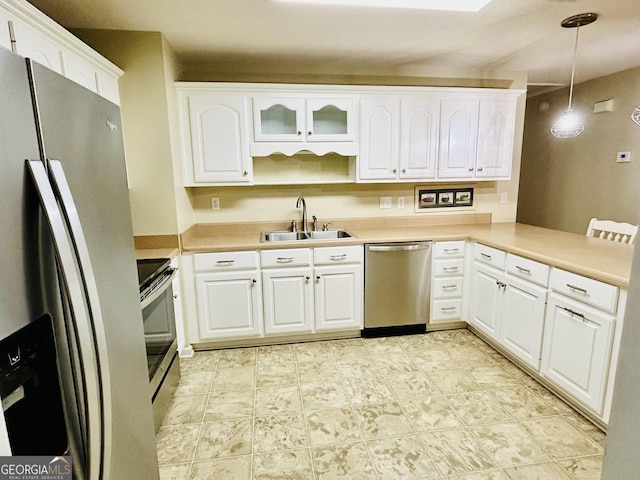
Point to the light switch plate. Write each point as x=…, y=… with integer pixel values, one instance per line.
x=400, y=202
x=215, y=203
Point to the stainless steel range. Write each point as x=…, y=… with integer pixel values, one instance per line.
x=156, y=297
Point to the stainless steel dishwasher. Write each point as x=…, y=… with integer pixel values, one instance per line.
x=397, y=283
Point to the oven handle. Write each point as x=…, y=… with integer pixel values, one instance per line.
x=159, y=289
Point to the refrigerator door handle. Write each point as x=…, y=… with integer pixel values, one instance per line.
x=98, y=405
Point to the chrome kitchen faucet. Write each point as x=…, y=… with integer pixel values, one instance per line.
x=305, y=228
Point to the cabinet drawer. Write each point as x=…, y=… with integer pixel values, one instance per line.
x=531, y=270
x=490, y=255
x=443, y=268
x=446, y=310
x=209, y=262
x=585, y=289
x=289, y=257
x=337, y=255
x=447, y=287
x=449, y=249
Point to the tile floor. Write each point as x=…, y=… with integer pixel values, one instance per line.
x=443, y=405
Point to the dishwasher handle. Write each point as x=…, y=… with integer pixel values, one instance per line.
x=399, y=247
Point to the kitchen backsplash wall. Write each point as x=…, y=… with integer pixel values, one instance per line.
x=264, y=203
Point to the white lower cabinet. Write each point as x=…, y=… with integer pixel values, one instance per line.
x=338, y=297
x=522, y=320
x=287, y=291
x=487, y=284
x=447, y=282
x=229, y=304
x=577, y=349
x=509, y=306
x=281, y=292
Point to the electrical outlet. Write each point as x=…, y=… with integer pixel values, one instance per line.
x=215, y=203
x=400, y=202
x=385, y=202
x=503, y=197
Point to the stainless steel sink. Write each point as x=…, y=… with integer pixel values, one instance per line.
x=330, y=234
x=297, y=236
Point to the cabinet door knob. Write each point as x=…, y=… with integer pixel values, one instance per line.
x=299, y=132
x=471, y=169
x=253, y=280
x=307, y=277
x=317, y=277
x=309, y=132
x=395, y=170
x=245, y=173
x=404, y=170
x=479, y=169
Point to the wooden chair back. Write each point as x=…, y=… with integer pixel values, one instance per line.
x=610, y=230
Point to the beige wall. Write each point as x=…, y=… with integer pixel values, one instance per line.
x=146, y=109
x=565, y=182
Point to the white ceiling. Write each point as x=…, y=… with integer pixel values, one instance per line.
x=507, y=35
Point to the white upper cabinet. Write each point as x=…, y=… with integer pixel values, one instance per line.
x=45, y=42
x=419, y=137
x=458, y=138
x=476, y=136
x=398, y=138
x=299, y=119
x=496, y=129
x=215, y=146
x=5, y=33
x=30, y=43
x=379, y=135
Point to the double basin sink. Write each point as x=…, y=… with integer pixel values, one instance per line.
x=299, y=236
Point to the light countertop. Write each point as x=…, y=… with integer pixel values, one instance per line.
x=602, y=260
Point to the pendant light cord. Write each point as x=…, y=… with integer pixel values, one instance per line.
x=573, y=68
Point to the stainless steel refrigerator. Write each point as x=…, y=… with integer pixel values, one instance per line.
x=68, y=263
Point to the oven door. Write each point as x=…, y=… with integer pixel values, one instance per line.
x=159, y=327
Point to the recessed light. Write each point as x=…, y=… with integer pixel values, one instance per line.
x=451, y=5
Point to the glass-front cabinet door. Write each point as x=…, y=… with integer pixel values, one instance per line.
x=299, y=119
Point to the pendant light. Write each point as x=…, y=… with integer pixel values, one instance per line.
x=569, y=124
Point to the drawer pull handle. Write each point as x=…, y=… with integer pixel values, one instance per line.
x=225, y=262
x=448, y=309
x=450, y=269
x=284, y=259
x=449, y=287
x=577, y=289
x=338, y=257
x=523, y=270
x=487, y=256
x=451, y=250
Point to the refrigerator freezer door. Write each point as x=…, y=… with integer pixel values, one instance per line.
x=83, y=132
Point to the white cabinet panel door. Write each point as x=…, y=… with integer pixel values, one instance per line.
x=288, y=300
x=338, y=297
x=458, y=138
x=217, y=133
x=379, y=134
x=576, y=351
x=5, y=36
x=487, y=299
x=229, y=304
x=79, y=71
x=37, y=46
x=523, y=320
x=496, y=126
x=419, y=137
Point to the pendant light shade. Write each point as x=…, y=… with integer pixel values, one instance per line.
x=635, y=116
x=569, y=124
